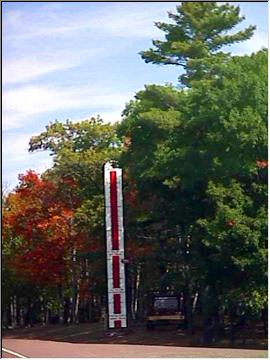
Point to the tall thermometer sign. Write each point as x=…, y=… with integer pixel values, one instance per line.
x=115, y=247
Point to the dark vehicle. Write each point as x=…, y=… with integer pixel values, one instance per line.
x=166, y=309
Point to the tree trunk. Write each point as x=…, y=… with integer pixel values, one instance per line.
x=90, y=309
x=47, y=315
x=61, y=304
x=188, y=311
x=42, y=310
x=67, y=311
x=18, y=313
x=21, y=316
x=232, y=316
x=30, y=312
x=13, y=311
x=5, y=316
x=137, y=291
x=74, y=286
x=140, y=296
x=264, y=316
x=9, y=313
x=132, y=294
x=76, y=310
x=129, y=291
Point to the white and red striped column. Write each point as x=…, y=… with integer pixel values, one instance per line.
x=115, y=247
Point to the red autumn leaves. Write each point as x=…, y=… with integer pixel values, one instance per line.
x=262, y=164
x=39, y=216
x=231, y=223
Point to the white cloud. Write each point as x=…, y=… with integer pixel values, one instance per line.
x=20, y=70
x=131, y=22
x=125, y=20
x=38, y=162
x=16, y=158
x=256, y=43
x=106, y=116
x=22, y=103
x=28, y=67
x=111, y=116
x=36, y=43
x=15, y=149
x=11, y=120
x=13, y=17
x=15, y=146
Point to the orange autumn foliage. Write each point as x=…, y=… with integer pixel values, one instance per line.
x=39, y=214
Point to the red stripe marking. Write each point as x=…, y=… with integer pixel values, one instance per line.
x=116, y=272
x=114, y=211
x=117, y=323
x=117, y=303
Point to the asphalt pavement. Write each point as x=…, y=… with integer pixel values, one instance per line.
x=52, y=349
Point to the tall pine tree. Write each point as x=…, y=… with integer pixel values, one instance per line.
x=195, y=39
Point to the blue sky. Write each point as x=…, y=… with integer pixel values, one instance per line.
x=76, y=60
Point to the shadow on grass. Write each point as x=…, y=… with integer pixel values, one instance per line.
x=94, y=333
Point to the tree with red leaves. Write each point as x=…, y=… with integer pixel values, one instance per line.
x=36, y=215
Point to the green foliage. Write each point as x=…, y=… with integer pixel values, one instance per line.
x=148, y=121
x=85, y=135
x=80, y=150
x=236, y=235
x=195, y=38
x=199, y=157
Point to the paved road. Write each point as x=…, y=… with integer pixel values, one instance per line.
x=53, y=349
x=6, y=354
